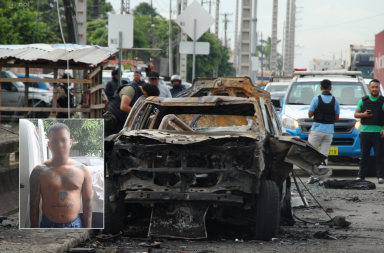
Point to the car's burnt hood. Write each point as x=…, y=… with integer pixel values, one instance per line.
x=174, y=137
x=285, y=150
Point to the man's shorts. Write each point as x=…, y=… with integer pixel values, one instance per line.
x=46, y=223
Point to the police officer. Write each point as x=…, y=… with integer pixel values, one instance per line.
x=121, y=104
x=371, y=112
x=137, y=77
x=325, y=110
x=113, y=85
x=177, y=86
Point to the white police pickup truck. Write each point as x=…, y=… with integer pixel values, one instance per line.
x=348, y=87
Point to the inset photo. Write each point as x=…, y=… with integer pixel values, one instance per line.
x=61, y=173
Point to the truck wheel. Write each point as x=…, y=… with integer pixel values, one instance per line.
x=38, y=115
x=371, y=172
x=113, y=217
x=267, y=211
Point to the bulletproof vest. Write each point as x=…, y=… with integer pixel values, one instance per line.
x=325, y=113
x=376, y=108
x=115, y=101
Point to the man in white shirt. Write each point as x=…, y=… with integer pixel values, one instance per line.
x=154, y=78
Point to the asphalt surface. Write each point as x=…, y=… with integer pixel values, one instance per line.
x=363, y=208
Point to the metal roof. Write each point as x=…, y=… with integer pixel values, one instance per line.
x=92, y=55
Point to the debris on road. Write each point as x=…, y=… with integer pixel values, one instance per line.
x=324, y=235
x=108, y=238
x=349, y=184
x=155, y=244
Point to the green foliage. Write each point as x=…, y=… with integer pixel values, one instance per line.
x=217, y=59
x=18, y=24
x=87, y=135
x=144, y=9
x=103, y=8
x=97, y=33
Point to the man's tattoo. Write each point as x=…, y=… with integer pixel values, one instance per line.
x=62, y=195
x=33, y=189
x=70, y=205
x=79, y=166
x=64, y=178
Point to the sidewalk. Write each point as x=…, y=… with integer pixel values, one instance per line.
x=13, y=239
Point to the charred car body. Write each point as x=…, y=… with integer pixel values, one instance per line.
x=218, y=153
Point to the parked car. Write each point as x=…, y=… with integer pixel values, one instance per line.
x=348, y=87
x=216, y=152
x=37, y=84
x=277, y=86
x=12, y=94
x=89, y=160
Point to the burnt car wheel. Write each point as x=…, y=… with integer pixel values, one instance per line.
x=267, y=210
x=114, y=209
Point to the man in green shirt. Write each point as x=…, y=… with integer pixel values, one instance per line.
x=370, y=110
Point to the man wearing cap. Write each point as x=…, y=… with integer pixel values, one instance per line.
x=154, y=78
x=137, y=76
x=112, y=85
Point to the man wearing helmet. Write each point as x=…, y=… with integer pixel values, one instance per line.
x=177, y=86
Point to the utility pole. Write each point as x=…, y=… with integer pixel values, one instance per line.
x=226, y=21
x=236, y=51
x=122, y=7
x=178, y=39
x=95, y=9
x=209, y=2
x=152, y=26
x=183, y=57
x=287, y=47
x=292, y=36
x=69, y=21
x=81, y=19
x=170, y=55
x=273, y=55
x=262, y=53
x=253, y=74
x=128, y=6
x=245, y=51
x=217, y=18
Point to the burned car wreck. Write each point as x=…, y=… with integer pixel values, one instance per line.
x=180, y=161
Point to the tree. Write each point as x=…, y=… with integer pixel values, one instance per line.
x=144, y=9
x=97, y=9
x=265, y=48
x=18, y=23
x=87, y=135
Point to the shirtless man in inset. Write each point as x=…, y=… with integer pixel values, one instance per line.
x=62, y=183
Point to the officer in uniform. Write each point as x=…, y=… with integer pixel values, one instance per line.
x=371, y=112
x=121, y=104
x=325, y=110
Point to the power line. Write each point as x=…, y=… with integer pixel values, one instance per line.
x=341, y=23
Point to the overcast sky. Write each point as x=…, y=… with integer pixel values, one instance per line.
x=323, y=28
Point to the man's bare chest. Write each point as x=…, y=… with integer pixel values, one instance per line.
x=68, y=179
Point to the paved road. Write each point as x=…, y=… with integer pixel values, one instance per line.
x=366, y=234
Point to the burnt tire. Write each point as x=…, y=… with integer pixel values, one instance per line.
x=267, y=211
x=113, y=218
x=371, y=172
